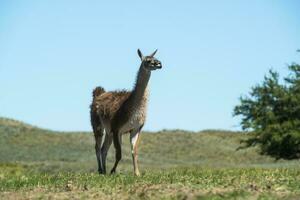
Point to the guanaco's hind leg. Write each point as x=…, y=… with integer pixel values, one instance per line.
x=134, y=139
x=117, y=137
x=98, y=130
x=98, y=137
x=104, y=150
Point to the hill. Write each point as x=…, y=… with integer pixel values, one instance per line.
x=46, y=150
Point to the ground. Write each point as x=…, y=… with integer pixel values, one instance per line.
x=42, y=164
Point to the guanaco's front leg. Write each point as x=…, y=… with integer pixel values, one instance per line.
x=134, y=139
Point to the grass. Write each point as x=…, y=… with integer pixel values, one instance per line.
x=178, y=183
x=42, y=164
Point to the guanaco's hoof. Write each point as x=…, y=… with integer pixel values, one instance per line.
x=113, y=171
x=137, y=173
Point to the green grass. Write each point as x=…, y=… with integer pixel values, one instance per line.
x=171, y=184
x=41, y=164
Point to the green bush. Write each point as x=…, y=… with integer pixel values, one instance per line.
x=271, y=112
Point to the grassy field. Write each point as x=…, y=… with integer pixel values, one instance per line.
x=41, y=164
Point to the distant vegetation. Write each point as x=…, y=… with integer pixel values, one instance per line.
x=272, y=112
x=45, y=150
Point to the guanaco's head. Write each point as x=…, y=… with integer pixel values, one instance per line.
x=149, y=62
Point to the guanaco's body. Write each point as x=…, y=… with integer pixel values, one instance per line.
x=116, y=113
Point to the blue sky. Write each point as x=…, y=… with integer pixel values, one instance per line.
x=53, y=53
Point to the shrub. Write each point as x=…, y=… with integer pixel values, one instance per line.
x=272, y=112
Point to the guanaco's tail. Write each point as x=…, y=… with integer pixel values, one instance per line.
x=98, y=91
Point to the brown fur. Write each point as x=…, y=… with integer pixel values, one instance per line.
x=98, y=91
x=108, y=103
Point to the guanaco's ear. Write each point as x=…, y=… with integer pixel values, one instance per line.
x=153, y=53
x=140, y=54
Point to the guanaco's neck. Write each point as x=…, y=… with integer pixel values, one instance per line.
x=140, y=91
